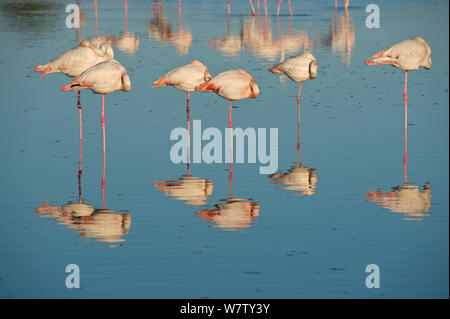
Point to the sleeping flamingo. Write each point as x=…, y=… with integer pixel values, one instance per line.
x=298, y=69
x=102, y=78
x=232, y=85
x=74, y=61
x=406, y=55
x=185, y=78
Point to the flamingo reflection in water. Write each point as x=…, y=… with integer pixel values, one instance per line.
x=128, y=41
x=160, y=29
x=298, y=69
x=405, y=199
x=101, y=224
x=341, y=37
x=232, y=213
x=193, y=190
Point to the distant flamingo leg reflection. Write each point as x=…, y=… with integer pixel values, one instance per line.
x=189, y=135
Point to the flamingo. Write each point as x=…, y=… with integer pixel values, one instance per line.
x=102, y=78
x=298, y=69
x=232, y=85
x=74, y=61
x=185, y=78
x=406, y=55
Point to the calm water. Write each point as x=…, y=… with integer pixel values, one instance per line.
x=308, y=231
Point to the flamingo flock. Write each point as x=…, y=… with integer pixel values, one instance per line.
x=92, y=65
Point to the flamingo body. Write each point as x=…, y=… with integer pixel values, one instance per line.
x=74, y=61
x=299, y=68
x=102, y=78
x=185, y=77
x=232, y=85
x=406, y=55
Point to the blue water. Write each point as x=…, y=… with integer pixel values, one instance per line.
x=166, y=235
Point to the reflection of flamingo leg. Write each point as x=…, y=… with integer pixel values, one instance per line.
x=104, y=149
x=298, y=124
x=126, y=15
x=230, y=122
x=81, y=149
x=179, y=16
x=189, y=135
x=95, y=6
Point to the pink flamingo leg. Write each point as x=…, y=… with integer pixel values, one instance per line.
x=278, y=8
x=189, y=135
x=253, y=7
x=290, y=7
x=228, y=3
x=405, y=95
x=104, y=149
x=298, y=124
x=405, y=155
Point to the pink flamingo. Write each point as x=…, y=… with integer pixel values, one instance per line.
x=298, y=69
x=74, y=61
x=232, y=85
x=185, y=78
x=406, y=55
x=102, y=78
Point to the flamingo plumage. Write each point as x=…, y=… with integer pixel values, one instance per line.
x=74, y=61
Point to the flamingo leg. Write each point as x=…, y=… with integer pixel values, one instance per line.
x=81, y=149
x=228, y=4
x=265, y=7
x=104, y=149
x=405, y=155
x=278, y=7
x=179, y=17
x=290, y=7
x=253, y=7
x=298, y=124
x=405, y=95
x=189, y=135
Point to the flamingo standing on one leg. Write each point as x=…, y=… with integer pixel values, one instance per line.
x=232, y=85
x=102, y=78
x=73, y=62
x=185, y=78
x=406, y=55
x=298, y=69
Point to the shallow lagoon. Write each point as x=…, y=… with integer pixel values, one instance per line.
x=307, y=232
